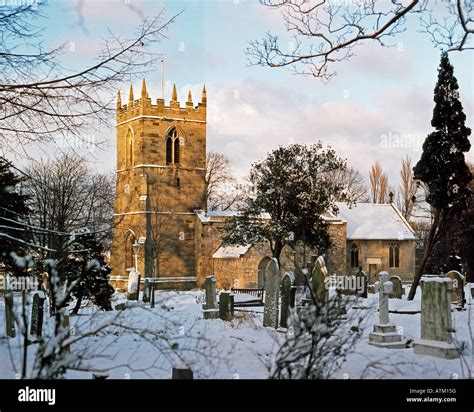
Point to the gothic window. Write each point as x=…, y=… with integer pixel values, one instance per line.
x=354, y=256
x=176, y=150
x=394, y=255
x=169, y=150
x=173, y=149
x=129, y=148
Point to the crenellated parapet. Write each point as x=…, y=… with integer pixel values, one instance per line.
x=144, y=106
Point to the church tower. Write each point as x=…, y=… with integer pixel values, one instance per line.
x=160, y=183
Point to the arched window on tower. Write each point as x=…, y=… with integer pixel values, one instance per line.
x=354, y=256
x=173, y=147
x=169, y=150
x=129, y=148
x=176, y=150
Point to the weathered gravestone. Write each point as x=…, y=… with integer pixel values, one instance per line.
x=133, y=285
x=152, y=295
x=385, y=333
x=318, y=280
x=272, y=292
x=226, y=306
x=210, y=309
x=9, y=314
x=362, y=283
x=146, y=290
x=457, y=288
x=288, y=293
x=182, y=373
x=37, y=311
x=436, y=322
x=397, y=287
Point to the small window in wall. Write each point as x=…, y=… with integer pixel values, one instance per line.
x=394, y=255
x=354, y=256
x=173, y=147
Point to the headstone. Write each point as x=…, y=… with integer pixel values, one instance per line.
x=210, y=307
x=385, y=334
x=318, y=280
x=436, y=321
x=226, y=306
x=288, y=292
x=182, y=373
x=272, y=293
x=37, y=311
x=152, y=292
x=362, y=282
x=397, y=287
x=133, y=285
x=146, y=290
x=120, y=306
x=457, y=288
x=9, y=314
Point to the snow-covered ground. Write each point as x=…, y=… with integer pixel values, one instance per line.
x=146, y=343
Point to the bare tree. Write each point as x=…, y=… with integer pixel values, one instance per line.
x=222, y=191
x=326, y=32
x=407, y=190
x=378, y=184
x=354, y=185
x=66, y=195
x=42, y=101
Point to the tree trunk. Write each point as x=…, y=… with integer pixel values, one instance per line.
x=426, y=254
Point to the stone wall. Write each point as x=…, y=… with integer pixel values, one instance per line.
x=379, y=250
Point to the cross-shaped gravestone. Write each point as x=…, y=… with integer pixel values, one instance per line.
x=272, y=293
x=287, y=297
x=385, y=334
x=210, y=307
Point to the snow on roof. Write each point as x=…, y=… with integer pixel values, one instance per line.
x=375, y=221
x=226, y=252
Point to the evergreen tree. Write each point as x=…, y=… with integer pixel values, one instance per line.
x=13, y=209
x=442, y=165
x=87, y=266
x=294, y=185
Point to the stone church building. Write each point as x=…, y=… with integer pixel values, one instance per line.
x=163, y=227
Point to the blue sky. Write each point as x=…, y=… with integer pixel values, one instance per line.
x=379, y=93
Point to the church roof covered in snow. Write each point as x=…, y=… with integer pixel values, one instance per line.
x=373, y=221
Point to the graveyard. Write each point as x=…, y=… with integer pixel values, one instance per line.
x=218, y=334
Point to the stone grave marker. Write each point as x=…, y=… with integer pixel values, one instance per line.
x=385, y=333
x=318, y=284
x=9, y=314
x=66, y=326
x=362, y=282
x=210, y=309
x=152, y=293
x=272, y=293
x=436, y=319
x=288, y=292
x=146, y=290
x=397, y=287
x=37, y=312
x=457, y=291
x=226, y=306
x=133, y=285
